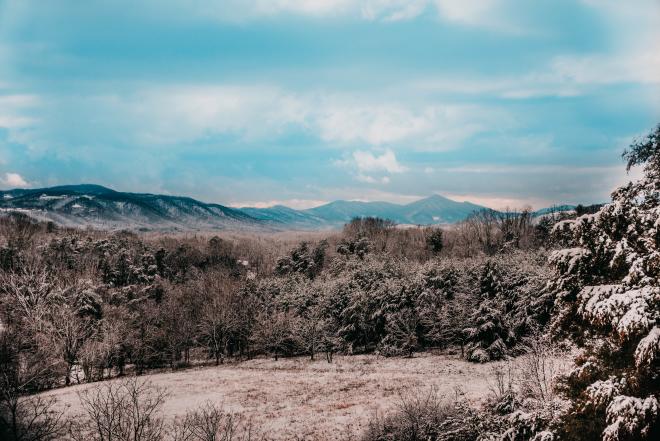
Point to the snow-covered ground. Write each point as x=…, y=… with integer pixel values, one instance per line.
x=313, y=400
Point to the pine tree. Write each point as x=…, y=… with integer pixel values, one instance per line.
x=608, y=302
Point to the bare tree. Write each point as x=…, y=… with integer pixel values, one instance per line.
x=23, y=417
x=276, y=333
x=29, y=293
x=31, y=418
x=69, y=332
x=515, y=227
x=219, y=322
x=313, y=330
x=18, y=230
x=539, y=370
x=211, y=423
x=127, y=410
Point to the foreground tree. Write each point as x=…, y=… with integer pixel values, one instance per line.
x=609, y=304
x=24, y=417
x=129, y=410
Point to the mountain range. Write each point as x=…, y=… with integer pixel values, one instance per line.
x=101, y=207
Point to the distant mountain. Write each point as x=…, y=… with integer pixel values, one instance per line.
x=281, y=215
x=101, y=207
x=435, y=209
x=340, y=212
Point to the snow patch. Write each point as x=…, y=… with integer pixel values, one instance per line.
x=45, y=197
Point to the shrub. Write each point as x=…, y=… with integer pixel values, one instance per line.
x=127, y=410
x=425, y=416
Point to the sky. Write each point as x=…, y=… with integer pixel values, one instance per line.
x=299, y=102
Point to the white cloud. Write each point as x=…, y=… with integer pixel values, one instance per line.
x=468, y=12
x=373, y=168
x=636, y=67
x=307, y=7
x=178, y=114
x=174, y=114
x=366, y=178
x=393, y=10
x=435, y=127
x=471, y=12
x=370, y=162
x=13, y=180
x=564, y=76
x=371, y=179
x=13, y=110
x=373, y=124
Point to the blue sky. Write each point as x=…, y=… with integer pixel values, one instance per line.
x=240, y=102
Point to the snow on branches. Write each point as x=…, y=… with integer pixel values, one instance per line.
x=608, y=302
x=627, y=312
x=630, y=418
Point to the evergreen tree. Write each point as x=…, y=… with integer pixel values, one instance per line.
x=608, y=302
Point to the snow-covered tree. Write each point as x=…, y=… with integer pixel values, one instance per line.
x=608, y=302
x=303, y=260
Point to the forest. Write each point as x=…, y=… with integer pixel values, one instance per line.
x=87, y=306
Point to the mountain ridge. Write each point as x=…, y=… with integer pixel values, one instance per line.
x=94, y=205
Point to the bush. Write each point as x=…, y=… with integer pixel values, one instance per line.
x=128, y=410
x=211, y=423
x=425, y=416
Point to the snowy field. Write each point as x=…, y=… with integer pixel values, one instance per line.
x=314, y=400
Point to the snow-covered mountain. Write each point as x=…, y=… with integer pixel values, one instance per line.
x=101, y=207
x=435, y=209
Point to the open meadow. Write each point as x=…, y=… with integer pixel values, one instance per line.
x=296, y=397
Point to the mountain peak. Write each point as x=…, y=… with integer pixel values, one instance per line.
x=435, y=197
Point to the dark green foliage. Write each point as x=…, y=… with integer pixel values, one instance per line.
x=489, y=336
x=587, y=209
x=645, y=151
x=357, y=247
x=490, y=283
x=514, y=302
x=434, y=240
x=608, y=304
x=303, y=260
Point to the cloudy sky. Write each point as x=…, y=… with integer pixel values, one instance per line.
x=256, y=102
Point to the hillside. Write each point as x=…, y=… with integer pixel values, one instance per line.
x=101, y=207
